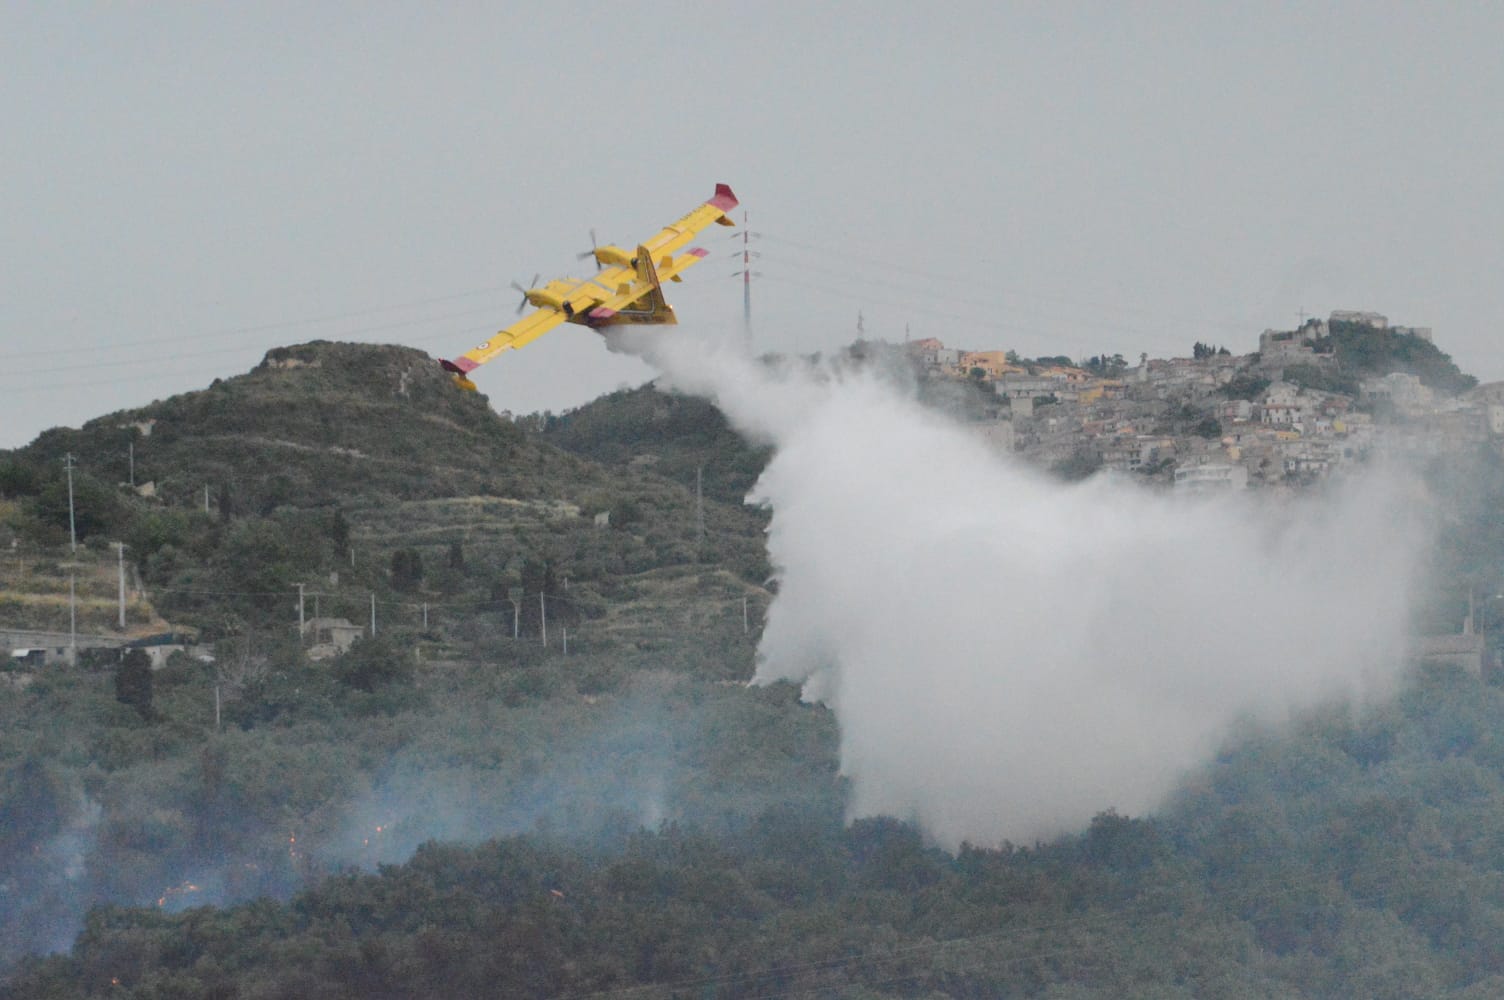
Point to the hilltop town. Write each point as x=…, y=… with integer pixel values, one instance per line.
x=1304, y=404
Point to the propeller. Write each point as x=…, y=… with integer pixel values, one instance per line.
x=523, y=304
x=592, y=252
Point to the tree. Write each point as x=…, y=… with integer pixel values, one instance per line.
x=339, y=531
x=540, y=576
x=133, y=682
x=1244, y=386
x=17, y=478
x=374, y=662
x=1082, y=463
x=97, y=508
x=1104, y=366
x=1363, y=350
x=407, y=570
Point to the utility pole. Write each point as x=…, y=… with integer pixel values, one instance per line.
x=699, y=505
x=206, y=498
x=747, y=274
x=516, y=618
x=746, y=624
x=72, y=621
x=565, y=630
x=72, y=533
x=746, y=280
x=373, y=614
x=300, y=612
x=543, y=617
x=425, y=616
x=120, y=553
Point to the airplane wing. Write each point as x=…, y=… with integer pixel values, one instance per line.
x=677, y=235
x=629, y=290
x=520, y=333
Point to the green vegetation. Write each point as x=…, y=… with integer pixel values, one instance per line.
x=1355, y=855
x=452, y=807
x=1364, y=351
x=673, y=435
x=367, y=477
x=367, y=473
x=1105, y=366
x=1322, y=379
x=1080, y=465
x=133, y=682
x=1244, y=385
x=316, y=767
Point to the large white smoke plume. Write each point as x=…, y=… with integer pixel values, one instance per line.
x=1008, y=655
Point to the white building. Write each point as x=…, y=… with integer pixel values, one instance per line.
x=1211, y=478
x=1376, y=320
x=1400, y=388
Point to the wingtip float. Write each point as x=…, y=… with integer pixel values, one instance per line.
x=628, y=289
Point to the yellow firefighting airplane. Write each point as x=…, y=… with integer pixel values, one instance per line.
x=628, y=288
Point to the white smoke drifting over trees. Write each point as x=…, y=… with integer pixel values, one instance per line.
x=1008, y=655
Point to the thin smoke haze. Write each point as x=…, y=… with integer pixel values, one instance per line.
x=1008, y=655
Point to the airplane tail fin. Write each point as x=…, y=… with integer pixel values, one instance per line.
x=653, y=302
x=646, y=271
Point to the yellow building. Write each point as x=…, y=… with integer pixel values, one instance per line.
x=994, y=363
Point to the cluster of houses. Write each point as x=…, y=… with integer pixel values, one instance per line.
x=1217, y=421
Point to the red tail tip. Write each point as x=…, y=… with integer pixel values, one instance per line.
x=724, y=199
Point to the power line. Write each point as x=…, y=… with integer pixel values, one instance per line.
x=51, y=385
x=265, y=327
x=157, y=361
x=887, y=264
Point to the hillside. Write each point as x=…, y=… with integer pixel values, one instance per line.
x=674, y=436
x=1355, y=855
x=528, y=600
x=597, y=802
x=321, y=464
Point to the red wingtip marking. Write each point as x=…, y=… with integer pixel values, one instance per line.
x=724, y=199
x=601, y=312
x=698, y=252
x=460, y=366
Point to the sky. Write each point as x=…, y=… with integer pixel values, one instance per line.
x=185, y=186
